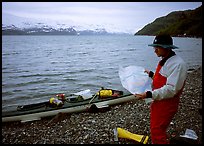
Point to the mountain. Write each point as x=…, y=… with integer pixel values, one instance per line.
x=15, y=25
x=45, y=30
x=177, y=23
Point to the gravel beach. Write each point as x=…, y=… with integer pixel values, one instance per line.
x=97, y=128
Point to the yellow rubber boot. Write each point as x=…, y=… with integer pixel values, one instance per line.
x=121, y=133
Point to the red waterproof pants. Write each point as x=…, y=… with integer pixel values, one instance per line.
x=161, y=112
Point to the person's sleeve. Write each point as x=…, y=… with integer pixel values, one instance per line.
x=175, y=81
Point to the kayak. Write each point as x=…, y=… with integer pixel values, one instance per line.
x=37, y=111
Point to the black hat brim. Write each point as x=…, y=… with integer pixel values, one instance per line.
x=163, y=46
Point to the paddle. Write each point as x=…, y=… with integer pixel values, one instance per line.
x=93, y=98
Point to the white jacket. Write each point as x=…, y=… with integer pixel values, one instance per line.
x=175, y=70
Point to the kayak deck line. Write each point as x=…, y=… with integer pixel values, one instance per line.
x=40, y=110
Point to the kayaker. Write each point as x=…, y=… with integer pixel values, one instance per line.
x=168, y=83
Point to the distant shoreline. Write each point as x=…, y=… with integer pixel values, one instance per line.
x=185, y=36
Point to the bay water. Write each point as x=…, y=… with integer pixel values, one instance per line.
x=36, y=68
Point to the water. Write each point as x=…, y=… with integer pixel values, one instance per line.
x=36, y=68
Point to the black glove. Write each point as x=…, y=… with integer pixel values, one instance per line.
x=148, y=94
x=151, y=74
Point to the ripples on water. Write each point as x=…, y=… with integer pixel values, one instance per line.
x=35, y=68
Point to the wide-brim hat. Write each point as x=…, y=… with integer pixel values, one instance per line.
x=164, y=41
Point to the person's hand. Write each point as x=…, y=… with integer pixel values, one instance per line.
x=147, y=71
x=141, y=96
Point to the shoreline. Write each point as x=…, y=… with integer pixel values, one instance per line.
x=97, y=128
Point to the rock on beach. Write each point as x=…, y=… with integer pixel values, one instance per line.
x=97, y=128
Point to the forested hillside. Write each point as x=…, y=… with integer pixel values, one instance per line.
x=178, y=23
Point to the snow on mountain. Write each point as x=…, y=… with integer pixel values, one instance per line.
x=15, y=22
x=22, y=22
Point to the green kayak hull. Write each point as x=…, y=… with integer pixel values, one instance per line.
x=40, y=110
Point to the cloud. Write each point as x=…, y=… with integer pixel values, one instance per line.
x=129, y=15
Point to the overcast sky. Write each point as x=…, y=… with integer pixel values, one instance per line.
x=131, y=16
